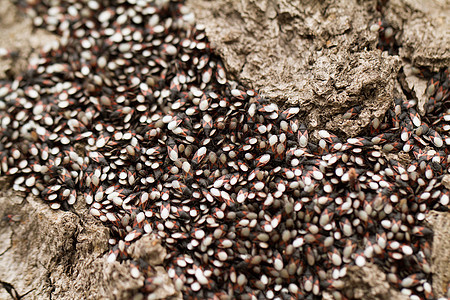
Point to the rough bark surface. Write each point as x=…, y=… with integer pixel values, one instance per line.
x=441, y=252
x=48, y=254
x=423, y=31
x=319, y=55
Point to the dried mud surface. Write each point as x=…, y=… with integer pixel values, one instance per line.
x=322, y=57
